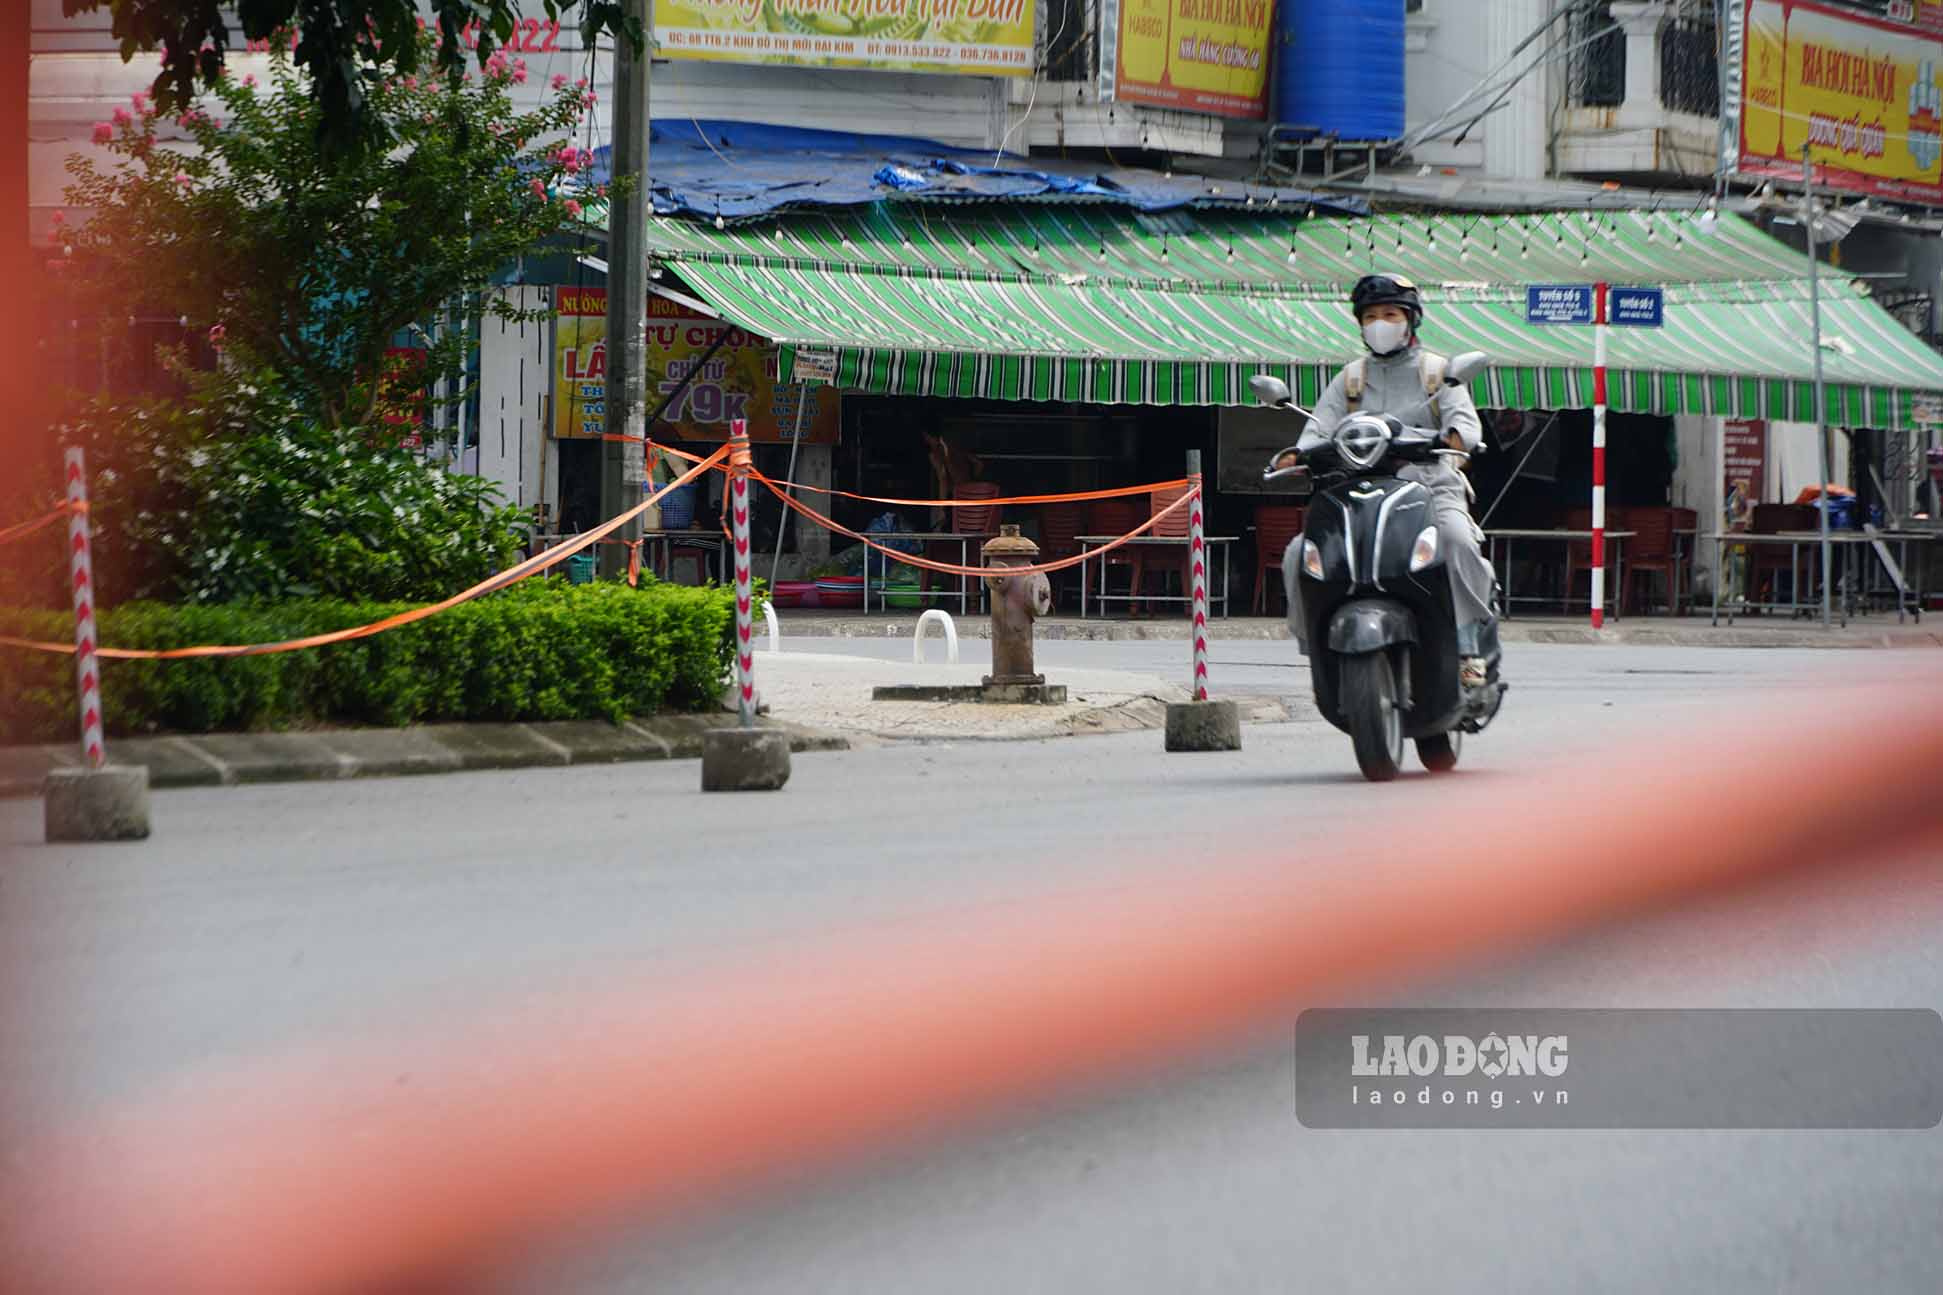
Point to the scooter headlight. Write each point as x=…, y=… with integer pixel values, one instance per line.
x=1312, y=559
x=1362, y=439
x=1424, y=551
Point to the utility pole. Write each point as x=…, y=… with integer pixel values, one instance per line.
x=623, y=463
x=1809, y=219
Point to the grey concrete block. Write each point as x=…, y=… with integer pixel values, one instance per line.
x=1203, y=726
x=595, y=741
x=108, y=804
x=745, y=759
x=274, y=757
x=387, y=752
x=498, y=746
x=24, y=769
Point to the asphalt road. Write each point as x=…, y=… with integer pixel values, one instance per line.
x=260, y=917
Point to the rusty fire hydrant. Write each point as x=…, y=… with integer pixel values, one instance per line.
x=1016, y=602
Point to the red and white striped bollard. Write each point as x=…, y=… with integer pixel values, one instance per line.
x=87, y=668
x=745, y=651
x=1198, y=567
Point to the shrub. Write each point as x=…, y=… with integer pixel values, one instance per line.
x=539, y=650
x=233, y=494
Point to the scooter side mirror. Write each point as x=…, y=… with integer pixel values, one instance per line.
x=1463, y=368
x=1271, y=390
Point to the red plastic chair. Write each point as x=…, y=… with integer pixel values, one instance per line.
x=1174, y=526
x=1119, y=517
x=1275, y=526
x=1060, y=526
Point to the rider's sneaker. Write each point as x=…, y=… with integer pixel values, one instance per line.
x=1472, y=672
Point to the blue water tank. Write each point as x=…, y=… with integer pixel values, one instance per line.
x=1339, y=67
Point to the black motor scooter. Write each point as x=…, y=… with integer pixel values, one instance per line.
x=1376, y=598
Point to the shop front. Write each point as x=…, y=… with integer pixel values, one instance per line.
x=1062, y=347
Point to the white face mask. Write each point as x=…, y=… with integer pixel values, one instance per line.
x=1385, y=335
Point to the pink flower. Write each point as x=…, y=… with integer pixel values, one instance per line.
x=600, y=191
x=123, y=117
x=581, y=84
x=573, y=208
x=182, y=178
x=559, y=80
x=186, y=120
x=250, y=81
x=103, y=133
x=140, y=101
x=60, y=218
x=411, y=83
x=567, y=156
x=539, y=189
x=519, y=72
x=216, y=335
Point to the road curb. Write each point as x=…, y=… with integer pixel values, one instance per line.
x=235, y=759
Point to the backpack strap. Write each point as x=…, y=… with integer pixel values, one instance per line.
x=1433, y=367
x=1353, y=384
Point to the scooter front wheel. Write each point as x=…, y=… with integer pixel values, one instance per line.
x=1369, y=702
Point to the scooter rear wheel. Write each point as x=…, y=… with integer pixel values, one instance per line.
x=1369, y=702
x=1440, y=751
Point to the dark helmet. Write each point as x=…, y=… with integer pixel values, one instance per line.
x=1386, y=290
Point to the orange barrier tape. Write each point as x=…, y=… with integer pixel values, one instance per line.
x=912, y=560
x=1082, y=496
x=21, y=530
x=1117, y=492
x=327, y=1172
x=512, y=575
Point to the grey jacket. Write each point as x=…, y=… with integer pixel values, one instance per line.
x=1393, y=384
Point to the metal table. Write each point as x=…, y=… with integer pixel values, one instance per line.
x=1154, y=541
x=1512, y=537
x=1847, y=549
x=710, y=542
x=965, y=583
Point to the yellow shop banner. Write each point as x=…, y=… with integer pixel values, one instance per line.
x=707, y=386
x=974, y=37
x=1860, y=94
x=1196, y=55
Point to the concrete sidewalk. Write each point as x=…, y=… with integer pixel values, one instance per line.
x=1655, y=631
x=832, y=692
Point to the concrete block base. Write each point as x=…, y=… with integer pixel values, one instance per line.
x=108, y=804
x=1203, y=726
x=744, y=759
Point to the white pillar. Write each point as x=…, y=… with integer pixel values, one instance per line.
x=1514, y=135
x=1641, y=20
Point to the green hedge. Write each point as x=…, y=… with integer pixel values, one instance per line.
x=540, y=650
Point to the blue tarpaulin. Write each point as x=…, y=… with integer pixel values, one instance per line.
x=739, y=170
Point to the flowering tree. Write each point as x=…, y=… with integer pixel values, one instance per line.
x=309, y=266
x=348, y=47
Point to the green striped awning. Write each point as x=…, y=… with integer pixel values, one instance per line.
x=1091, y=304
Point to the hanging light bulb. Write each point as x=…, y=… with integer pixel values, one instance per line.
x=1292, y=253
x=1652, y=230
x=719, y=222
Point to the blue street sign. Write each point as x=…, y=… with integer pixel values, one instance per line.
x=1637, y=307
x=1558, y=303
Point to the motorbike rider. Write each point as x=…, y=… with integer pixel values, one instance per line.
x=1397, y=377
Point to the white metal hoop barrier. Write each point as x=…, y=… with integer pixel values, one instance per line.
x=775, y=627
x=940, y=617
